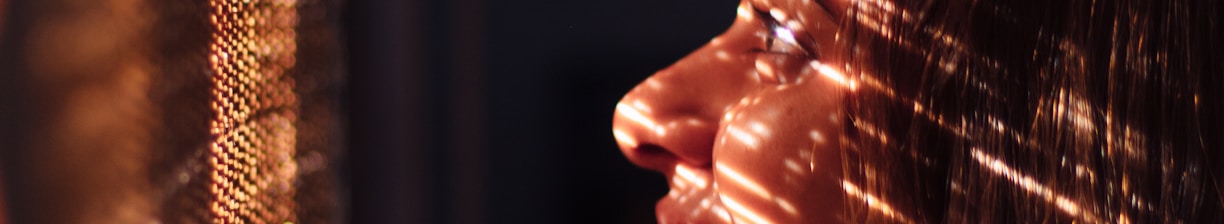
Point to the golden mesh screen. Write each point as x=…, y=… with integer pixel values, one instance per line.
x=251, y=159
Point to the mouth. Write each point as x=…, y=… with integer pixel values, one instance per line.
x=693, y=198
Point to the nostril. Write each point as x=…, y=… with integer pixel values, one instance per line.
x=653, y=157
x=653, y=150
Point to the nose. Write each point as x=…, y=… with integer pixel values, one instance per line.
x=673, y=116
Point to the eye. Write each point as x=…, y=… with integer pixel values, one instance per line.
x=781, y=40
x=782, y=54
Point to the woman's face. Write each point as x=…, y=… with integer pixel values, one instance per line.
x=747, y=127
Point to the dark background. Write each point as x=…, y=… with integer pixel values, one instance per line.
x=477, y=111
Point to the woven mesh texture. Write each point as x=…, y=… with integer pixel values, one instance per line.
x=195, y=111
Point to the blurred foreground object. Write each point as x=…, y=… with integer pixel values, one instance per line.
x=135, y=111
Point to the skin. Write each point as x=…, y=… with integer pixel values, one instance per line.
x=746, y=128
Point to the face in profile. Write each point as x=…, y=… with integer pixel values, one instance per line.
x=746, y=128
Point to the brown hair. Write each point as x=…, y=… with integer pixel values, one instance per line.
x=1001, y=111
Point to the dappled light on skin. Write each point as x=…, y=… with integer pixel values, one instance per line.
x=744, y=131
x=748, y=139
x=833, y=74
x=624, y=138
x=739, y=179
x=740, y=212
x=635, y=114
x=794, y=166
x=744, y=12
x=690, y=176
x=759, y=157
x=817, y=137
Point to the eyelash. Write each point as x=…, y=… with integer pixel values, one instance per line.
x=783, y=52
x=778, y=33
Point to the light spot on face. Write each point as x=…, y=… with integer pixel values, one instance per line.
x=817, y=137
x=829, y=72
x=721, y=213
x=786, y=206
x=742, y=212
x=793, y=166
x=679, y=183
x=765, y=70
x=722, y=55
x=743, y=181
x=795, y=25
x=786, y=35
x=624, y=138
x=759, y=128
x=691, y=177
x=637, y=104
x=635, y=115
x=695, y=122
x=743, y=12
x=654, y=84
x=743, y=136
x=778, y=14
x=745, y=101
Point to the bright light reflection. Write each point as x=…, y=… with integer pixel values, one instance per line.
x=637, y=104
x=759, y=128
x=623, y=137
x=785, y=205
x=742, y=136
x=829, y=72
x=749, y=184
x=793, y=166
x=742, y=211
x=1032, y=186
x=873, y=202
x=691, y=177
x=676, y=180
x=721, y=213
x=817, y=137
x=636, y=116
x=785, y=35
x=743, y=12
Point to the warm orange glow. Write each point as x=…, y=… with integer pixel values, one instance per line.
x=251, y=158
x=634, y=113
x=875, y=203
x=832, y=74
x=1027, y=183
x=690, y=176
x=742, y=212
x=743, y=181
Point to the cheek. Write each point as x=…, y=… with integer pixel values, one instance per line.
x=776, y=155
